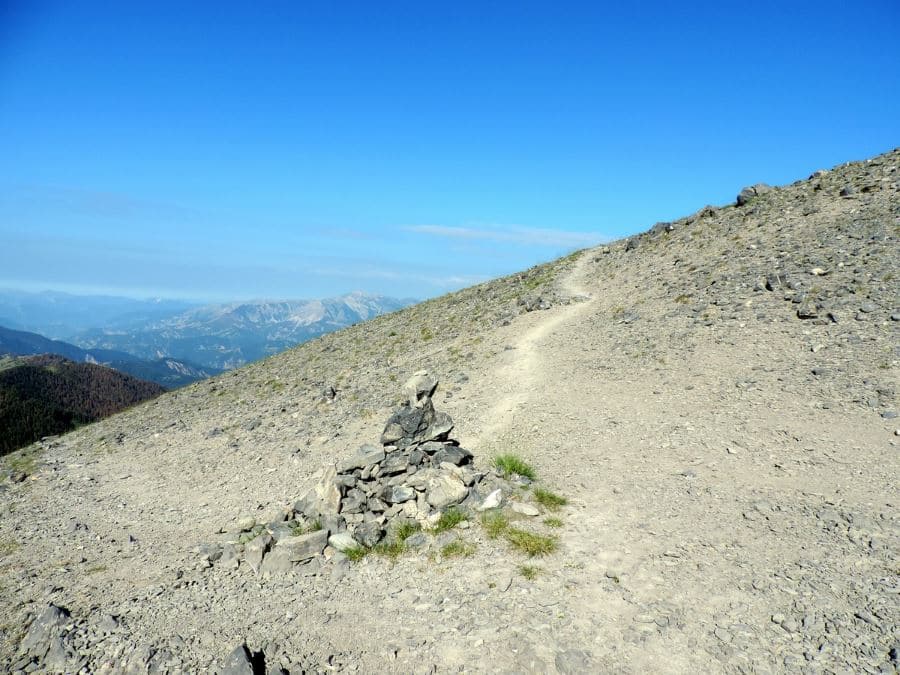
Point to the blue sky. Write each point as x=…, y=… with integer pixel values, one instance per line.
x=289, y=149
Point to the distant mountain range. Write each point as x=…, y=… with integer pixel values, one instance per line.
x=173, y=342
x=167, y=372
x=62, y=315
x=230, y=335
x=49, y=394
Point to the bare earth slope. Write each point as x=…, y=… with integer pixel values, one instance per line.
x=716, y=398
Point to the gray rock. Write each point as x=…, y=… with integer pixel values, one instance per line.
x=868, y=307
x=238, y=662
x=256, y=549
x=750, y=193
x=417, y=540
x=807, y=310
x=231, y=556
x=375, y=505
x=368, y=534
x=440, y=429
x=419, y=387
x=492, y=501
x=525, y=509
x=246, y=523
x=406, y=426
x=397, y=494
x=366, y=456
x=342, y=541
x=48, y=625
x=323, y=498
x=452, y=454
x=354, y=501
x=305, y=546
x=277, y=561
x=443, y=491
x=393, y=463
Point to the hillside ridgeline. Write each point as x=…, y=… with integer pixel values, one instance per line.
x=715, y=398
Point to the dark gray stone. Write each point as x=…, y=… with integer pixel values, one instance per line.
x=749, y=193
x=256, y=550
x=238, y=662
x=305, y=546
x=366, y=456
x=393, y=463
x=807, y=310
x=375, y=505
x=398, y=494
x=368, y=534
x=354, y=501
x=46, y=627
x=452, y=454
x=406, y=425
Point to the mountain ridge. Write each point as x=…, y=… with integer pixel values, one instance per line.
x=225, y=336
x=167, y=372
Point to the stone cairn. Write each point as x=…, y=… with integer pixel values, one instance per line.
x=414, y=475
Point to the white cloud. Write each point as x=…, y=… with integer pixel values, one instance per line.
x=517, y=234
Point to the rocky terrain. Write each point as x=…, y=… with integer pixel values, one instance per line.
x=715, y=399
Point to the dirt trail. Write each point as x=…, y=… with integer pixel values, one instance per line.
x=685, y=519
x=519, y=377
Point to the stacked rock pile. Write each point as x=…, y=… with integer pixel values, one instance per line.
x=414, y=474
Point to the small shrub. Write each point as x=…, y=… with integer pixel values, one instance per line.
x=530, y=543
x=390, y=549
x=549, y=500
x=530, y=572
x=449, y=519
x=495, y=523
x=356, y=553
x=457, y=549
x=553, y=522
x=509, y=465
x=406, y=529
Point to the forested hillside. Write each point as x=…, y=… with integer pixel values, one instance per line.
x=45, y=395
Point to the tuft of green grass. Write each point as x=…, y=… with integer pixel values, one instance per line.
x=549, y=500
x=553, y=521
x=24, y=461
x=495, y=523
x=530, y=572
x=406, y=529
x=390, y=549
x=509, y=465
x=457, y=549
x=449, y=519
x=356, y=553
x=298, y=529
x=529, y=543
